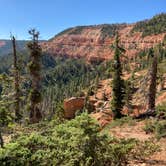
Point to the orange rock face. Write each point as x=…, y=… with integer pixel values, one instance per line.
x=90, y=44
x=72, y=105
x=103, y=118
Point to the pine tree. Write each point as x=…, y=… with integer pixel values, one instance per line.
x=6, y=103
x=16, y=82
x=118, y=91
x=153, y=78
x=35, y=68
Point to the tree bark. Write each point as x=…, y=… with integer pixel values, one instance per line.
x=16, y=81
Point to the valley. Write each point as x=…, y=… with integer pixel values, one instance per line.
x=91, y=95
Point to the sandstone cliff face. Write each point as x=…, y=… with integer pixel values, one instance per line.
x=90, y=42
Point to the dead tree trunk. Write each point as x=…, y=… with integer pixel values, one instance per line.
x=16, y=82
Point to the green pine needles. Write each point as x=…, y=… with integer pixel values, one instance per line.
x=118, y=87
x=34, y=69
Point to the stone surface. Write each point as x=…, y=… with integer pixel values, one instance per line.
x=72, y=105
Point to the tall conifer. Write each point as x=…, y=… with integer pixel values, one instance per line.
x=153, y=82
x=118, y=91
x=35, y=68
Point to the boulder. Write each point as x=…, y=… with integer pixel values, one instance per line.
x=72, y=105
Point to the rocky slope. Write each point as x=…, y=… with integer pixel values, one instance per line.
x=93, y=42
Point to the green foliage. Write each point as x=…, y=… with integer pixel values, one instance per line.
x=5, y=116
x=156, y=127
x=76, y=142
x=160, y=129
x=5, y=100
x=128, y=93
x=120, y=123
x=154, y=26
x=118, y=87
x=68, y=78
x=149, y=126
x=61, y=78
x=33, y=67
x=77, y=30
x=110, y=30
x=145, y=149
x=161, y=110
x=35, y=96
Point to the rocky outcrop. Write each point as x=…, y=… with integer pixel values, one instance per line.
x=103, y=117
x=92, y=43
x=72, y=105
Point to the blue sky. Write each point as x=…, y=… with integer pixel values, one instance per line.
x=53, y=16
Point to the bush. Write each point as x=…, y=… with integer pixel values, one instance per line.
x=160, y=130
x=161, y=111
x=149, y=127
x=76, y=142
x=120, y=122
x=145, y=149
x=156, y=127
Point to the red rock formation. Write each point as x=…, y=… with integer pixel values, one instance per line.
x=72, y=105
x=90, y=44
x=103, y=118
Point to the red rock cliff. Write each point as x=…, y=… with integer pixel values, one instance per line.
x=89, y=42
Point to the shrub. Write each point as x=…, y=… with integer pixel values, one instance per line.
x=156, y=127
x=144, y=149
x=161, y=111
x=120, y=122
x=160, y=129
x=76, y=142
x=149, y=127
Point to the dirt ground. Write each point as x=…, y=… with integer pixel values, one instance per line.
x=136, y=131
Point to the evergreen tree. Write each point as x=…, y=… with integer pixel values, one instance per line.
x=35, y=68
x=153, y=78
x=118, y=91
x=6, y=103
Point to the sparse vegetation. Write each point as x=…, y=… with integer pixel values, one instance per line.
x=154, y=26
x=76, y=142
x=110, y=30
x=158, y=128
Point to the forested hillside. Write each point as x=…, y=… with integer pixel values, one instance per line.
x=65, y=110
x=156, y=25
x=6, y=46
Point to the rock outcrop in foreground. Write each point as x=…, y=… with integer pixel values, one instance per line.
x=72, y=105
